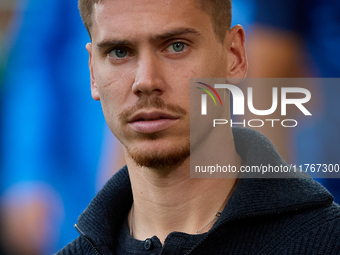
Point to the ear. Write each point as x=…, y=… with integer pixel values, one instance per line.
x=94, y=90
x=237, y=59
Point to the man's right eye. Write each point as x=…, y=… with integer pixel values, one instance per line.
x=118, y=53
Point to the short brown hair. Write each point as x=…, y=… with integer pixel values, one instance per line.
x=218, y=10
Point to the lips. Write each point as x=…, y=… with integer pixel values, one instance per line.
x=150, y=116
x=151, y=122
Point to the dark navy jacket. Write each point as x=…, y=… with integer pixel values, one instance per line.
x=262, y=216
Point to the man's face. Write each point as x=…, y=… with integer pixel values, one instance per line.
x=142, y=57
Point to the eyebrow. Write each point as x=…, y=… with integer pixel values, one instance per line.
x=174, y=33
x=160, y=37
x=109, y=43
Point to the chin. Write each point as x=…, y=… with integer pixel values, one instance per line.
x=158, y=156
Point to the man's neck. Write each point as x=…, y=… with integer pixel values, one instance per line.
x=169, y=200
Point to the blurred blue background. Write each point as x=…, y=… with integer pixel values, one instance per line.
x=52, y=131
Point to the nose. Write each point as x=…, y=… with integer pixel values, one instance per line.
x=148, y=78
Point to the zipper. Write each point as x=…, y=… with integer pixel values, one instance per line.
x=94, y=248
x=254, y=215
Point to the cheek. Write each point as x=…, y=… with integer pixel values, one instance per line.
x=113, y=81
x=211, y=63
x=114, y=88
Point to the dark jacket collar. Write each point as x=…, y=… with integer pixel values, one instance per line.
x=102, y=218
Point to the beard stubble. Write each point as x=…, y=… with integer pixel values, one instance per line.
x=165, y=158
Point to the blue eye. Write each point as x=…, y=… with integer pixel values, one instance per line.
x=120, y=53
x=178, y=46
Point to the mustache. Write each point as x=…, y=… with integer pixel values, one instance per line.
x=148, y=103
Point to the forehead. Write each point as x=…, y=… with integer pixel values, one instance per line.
x=135, y=19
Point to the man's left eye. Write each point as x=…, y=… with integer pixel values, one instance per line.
x=177, y=47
